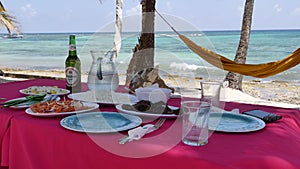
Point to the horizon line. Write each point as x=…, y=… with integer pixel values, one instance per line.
x=228, y=30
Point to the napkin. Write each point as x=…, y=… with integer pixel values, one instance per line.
x=139, y=132
x=153, y=93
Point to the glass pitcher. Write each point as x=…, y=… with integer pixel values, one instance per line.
x=103, y=74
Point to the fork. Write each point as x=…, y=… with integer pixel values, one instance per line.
x=149, y=128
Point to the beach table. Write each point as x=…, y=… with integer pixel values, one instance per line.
x=35, y=142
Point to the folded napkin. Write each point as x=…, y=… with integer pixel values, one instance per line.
x=139, y=132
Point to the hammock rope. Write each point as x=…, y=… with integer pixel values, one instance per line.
x=255, y=70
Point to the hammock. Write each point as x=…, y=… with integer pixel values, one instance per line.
x=255, y=70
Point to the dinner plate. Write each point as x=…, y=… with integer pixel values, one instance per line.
x=236, y=123
x=104, y=97
x=100, y=122
x=39, y=90
x=152, y=115
x=91, y=106
x=29, y=103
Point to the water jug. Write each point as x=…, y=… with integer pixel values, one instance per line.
x=103, y=74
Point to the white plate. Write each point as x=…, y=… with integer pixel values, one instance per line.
x=44, y=90
x=104, y=97
x=92, y=106
x=100, y=122
x=152, y=115
x=231, y=122
x=28, y=104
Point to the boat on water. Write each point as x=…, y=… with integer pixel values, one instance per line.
x=13, y=36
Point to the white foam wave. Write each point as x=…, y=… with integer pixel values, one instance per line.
x=185, y=66
x=165, y=35
x=196, y=34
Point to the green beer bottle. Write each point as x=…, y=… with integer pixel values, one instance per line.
x=73, y=68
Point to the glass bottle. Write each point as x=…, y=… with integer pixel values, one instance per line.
x=103, y=74
x=73, y=68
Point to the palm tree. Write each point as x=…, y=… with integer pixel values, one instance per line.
x=143, y=56
x=8, y=21
x=234, y=80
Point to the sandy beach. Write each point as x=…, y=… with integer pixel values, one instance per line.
x=274, y=91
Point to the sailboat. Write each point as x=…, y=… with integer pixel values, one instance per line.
x=9, y=22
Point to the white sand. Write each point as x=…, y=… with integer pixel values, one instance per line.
x=280, y=94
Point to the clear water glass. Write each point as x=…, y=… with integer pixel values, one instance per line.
x=210, y=92
x=195, y=116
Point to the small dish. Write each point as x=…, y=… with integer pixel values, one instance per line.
x=143, y=114
x=153, y=94
x=39, y=90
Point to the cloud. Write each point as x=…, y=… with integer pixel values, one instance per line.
x=133, y=11
x=296, y=11
x=169, y=6
x=277, y=8
x=28, y=10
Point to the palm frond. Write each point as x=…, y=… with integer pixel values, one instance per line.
x=8, y=21
x=2, y=9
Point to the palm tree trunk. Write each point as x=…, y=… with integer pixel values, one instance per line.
x=118, y=27
x=234, y=80
x=143, y=56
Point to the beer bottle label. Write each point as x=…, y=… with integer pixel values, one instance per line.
x=72, y=76
x=72, y=47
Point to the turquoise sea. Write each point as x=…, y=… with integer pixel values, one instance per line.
x=48, y=51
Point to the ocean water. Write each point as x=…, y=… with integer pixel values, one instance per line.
x=48, y=51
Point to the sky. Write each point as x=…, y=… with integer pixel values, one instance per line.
x=36, y=16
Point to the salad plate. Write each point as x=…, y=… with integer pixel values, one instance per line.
x=232, y=122
x=100, y=122
x=88, y=107
x=39, y=90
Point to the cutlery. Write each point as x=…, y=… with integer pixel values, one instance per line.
x=144, y=130
x=50, y=97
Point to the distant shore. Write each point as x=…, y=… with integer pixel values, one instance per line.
x=277, y=91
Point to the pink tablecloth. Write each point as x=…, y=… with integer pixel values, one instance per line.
x=11, y=91
x=37, y=143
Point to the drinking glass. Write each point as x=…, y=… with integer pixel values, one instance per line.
x=195, y=116
x=210, y=92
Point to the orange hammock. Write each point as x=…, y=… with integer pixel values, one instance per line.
x=255, y=70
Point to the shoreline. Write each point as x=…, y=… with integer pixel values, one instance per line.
x=275, y=91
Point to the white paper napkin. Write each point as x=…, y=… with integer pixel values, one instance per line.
x=139, y=132
x=153, y=93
